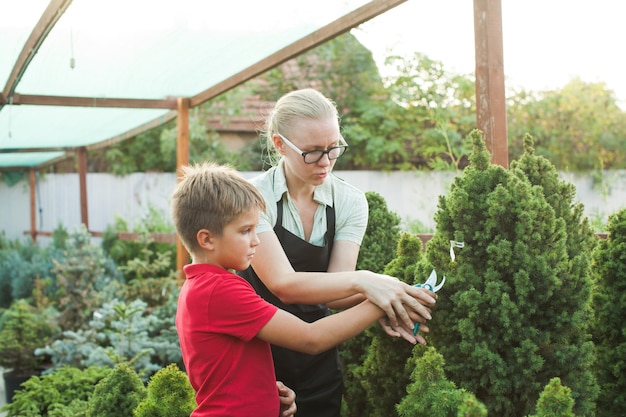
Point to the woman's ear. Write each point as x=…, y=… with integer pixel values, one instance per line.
x=205, y=239
x=279, y=145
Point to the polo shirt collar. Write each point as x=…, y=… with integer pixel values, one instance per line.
x=323, y=193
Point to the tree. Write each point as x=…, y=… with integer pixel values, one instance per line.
x=578, y=127
x=497, y=326
x=169, y=394
x=377, y=250
x=576, y=281
x=432, y=394
x=555, y=401
x=384, y=365
x=117, y=394
x=609, y=332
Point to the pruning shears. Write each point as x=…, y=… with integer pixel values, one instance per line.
x=431, y=285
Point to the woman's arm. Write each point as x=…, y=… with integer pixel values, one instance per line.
x=393, y=296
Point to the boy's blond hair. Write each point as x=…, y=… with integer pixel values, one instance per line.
x=209, y=196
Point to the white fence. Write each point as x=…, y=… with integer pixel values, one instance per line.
x=412, y=195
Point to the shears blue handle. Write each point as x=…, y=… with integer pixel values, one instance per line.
x=429, y=288
x=430, y=285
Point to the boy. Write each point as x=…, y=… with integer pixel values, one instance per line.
x=224, y=327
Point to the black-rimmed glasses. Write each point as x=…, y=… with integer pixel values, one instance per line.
x=311, y=157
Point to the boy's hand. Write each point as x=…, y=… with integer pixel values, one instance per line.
x=404, y=332
x=287, y=400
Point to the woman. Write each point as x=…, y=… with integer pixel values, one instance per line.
x=310, y=237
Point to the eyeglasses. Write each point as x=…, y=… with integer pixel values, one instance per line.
x=311, y=157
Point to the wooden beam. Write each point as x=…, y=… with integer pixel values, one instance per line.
x=490, y=94
x=128, y=103
x=134, y=132
x=182, y=158
x=33, y=205
x=324, y=34
x=82, y=178
x=46, y=22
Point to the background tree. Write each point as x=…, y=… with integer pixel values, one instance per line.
x=497, y=327
x=578, y=127
x=609, y=332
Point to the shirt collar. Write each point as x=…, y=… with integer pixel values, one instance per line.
x=323, y=193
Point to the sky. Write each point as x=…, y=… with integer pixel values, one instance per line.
x=545, y=42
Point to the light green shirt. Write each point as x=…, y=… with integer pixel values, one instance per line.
x=351, y=210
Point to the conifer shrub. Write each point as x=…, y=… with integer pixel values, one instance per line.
x=121, y=332
x=576, y=282
x=609, y=330
x=23, y=262
x=169, y=394
x=80, y=278
x=495, y=322
x=383, y=374
x=381, y=237
x=555, y=401
x=57, y=393
x=430, y=393
x=117, y=394
x=377, y=250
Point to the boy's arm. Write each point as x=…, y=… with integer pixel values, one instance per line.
x=288, y=331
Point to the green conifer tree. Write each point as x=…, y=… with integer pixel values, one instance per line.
x=118, y=394
x=575, y=365
x=555, y=401
x=431, y=393
x=383, y=374
x=169, y=394
x=495, y=321
x=377, y=250
x=609, y=332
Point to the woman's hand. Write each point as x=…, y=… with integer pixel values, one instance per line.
x=397, y=299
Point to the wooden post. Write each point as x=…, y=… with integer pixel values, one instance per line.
x=490, y=95
x=182, y=158
x=82, y=178
x=33, y=204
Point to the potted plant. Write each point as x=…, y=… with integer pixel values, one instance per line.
x=22, y=330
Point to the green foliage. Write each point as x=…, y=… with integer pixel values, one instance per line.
x=56, y=394
x=169, y=394
x=80, y=277
x=555, y=401
x=576, y=281
x=436, y=109
x=144, y=258
x=117, y=394
x=383, y=375
x=377, y=250
x=23, y=262
x=121, y=333
x=578, y=127
x=609, y=332
x=497, y=325
x=22, y=330
x=431, y=394
x=381, y=237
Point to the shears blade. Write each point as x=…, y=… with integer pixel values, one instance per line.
x=432, y=281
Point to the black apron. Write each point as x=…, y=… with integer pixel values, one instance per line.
x=316, y=379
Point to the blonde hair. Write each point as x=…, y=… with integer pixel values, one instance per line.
x=301, y=104
x=209, y=196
